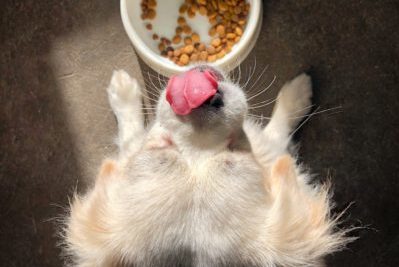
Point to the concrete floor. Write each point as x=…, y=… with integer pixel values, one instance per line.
x=56, y=58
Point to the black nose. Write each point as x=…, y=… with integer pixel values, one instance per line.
x=216, y=101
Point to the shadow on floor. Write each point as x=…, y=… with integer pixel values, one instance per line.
x=37, y=161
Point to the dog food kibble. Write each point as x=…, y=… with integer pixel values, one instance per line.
x=176, y=39
x=186, y=29
x=227, y=19
x=184, y=59
x=216, y=42
x=183, y=9
x=187, y=40
x=195, y=37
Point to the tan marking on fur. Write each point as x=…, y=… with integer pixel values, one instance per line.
x=159, y=143
x=282, y=175
x=108, y=168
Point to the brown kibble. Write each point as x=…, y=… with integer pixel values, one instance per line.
x=152, y=3
x=194, y=57
x=177, y=53
x=214, y=4
x=176, y=39
x=203, y=55
x=212, y=31
x=203, y=11
x=201, y=47
x=190, y=13
x=188, y=41
x=179, y=30
x=195, y=37
x=211, y=50
x=234, y=18
x=220, y=30
x=213, y=21
x=181, y=21
x=242, y=22
x=230, y=35
x=223, y=6
x=166, y=41
x=238, y=31
x=151, y=14
x=237, y=10
x=186, y=29
x=188, y=49
x=227, y=18
x=184, y=59
x=194, y=8
x=183, y=8
x=211, y=58
x=212, y=15
x=221, y=54
x=216, y=42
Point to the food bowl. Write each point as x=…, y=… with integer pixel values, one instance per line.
x=164, y=22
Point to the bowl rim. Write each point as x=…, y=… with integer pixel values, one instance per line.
x=230, y=59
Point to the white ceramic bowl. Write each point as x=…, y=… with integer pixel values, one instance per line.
x=165, y=23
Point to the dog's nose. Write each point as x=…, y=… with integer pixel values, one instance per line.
x=190, y=90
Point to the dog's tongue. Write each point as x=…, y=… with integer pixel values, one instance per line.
x=190, y=90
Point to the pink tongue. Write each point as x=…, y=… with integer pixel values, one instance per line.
x=190, y=90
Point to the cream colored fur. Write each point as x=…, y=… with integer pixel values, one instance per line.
x=226, y=191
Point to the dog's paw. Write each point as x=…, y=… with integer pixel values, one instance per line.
x=296, y=96
x=123, y=90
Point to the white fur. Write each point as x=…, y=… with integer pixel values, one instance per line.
x=225, y=190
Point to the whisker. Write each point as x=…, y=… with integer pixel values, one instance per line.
x=263, y=105
x=155, y=87
x=300, y=125
x=256, y=81
x=250, y=76
x=148, y=97
x=319, y=112
x=259, y=116
x=239, y=74
x=299, y=110
x=264, y=90
x=161, y=84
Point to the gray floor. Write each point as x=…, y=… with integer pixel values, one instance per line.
x=57, y=57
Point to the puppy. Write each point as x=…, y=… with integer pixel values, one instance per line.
x=203, y=185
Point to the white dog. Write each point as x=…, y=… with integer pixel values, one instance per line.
x=203, y=185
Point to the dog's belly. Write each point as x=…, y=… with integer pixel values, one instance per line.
x=195, y=219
